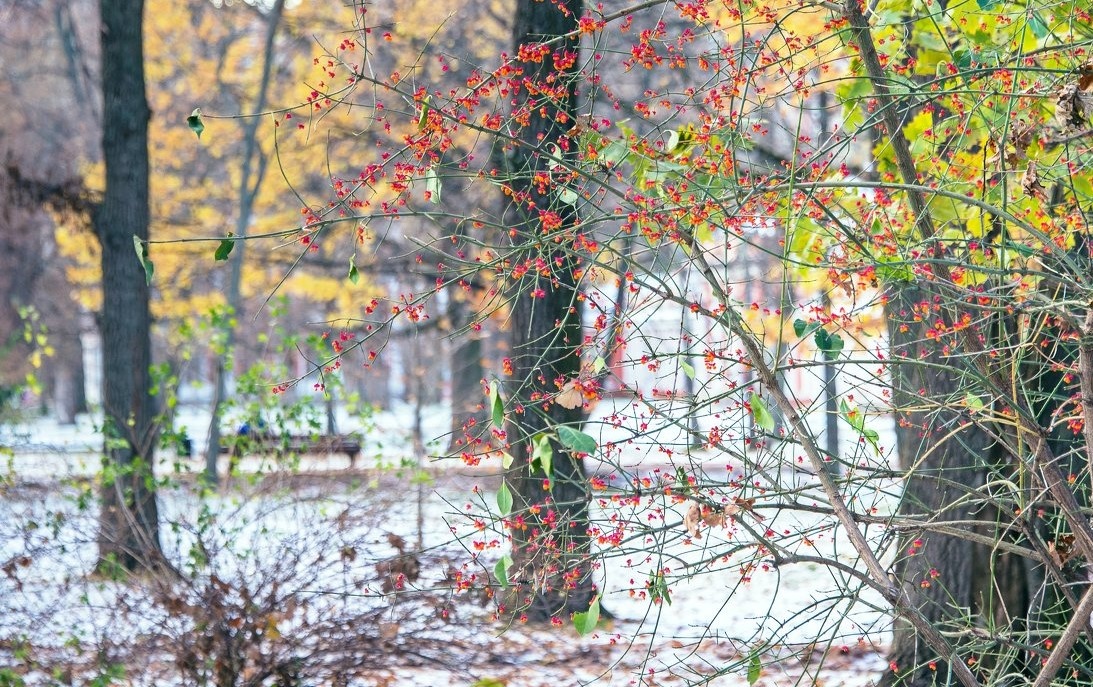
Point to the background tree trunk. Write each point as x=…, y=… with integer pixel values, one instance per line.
x=249, y=183
x=550, y=566
x=129, y=522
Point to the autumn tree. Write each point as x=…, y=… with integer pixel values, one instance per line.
x=129, y=524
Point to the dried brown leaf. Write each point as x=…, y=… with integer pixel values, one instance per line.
x=1072, y=107
x=714, y=517
x=1030, y=182
x=692, y=519
x=1085, y=75
x=570, y=396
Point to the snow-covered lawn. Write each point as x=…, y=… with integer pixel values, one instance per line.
x=302, y=559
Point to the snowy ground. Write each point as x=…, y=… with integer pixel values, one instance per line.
x=726, y=600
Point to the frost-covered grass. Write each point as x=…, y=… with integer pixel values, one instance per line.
x=308, y=563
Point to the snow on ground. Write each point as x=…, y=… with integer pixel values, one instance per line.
x=808, y=624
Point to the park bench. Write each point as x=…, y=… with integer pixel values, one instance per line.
x=299, y=444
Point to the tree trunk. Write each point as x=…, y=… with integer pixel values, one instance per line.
x=468, y=410
x=129, y=522
x=936, y=570
x=249, y=183
x=551, y=572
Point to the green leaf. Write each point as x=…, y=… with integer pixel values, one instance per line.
x=423, y=117
x=575, y=440
x=501, y=570
x=585, y=622
x=755, y=667
x=803, y=329
x=506, y=460
x=830, y=344
x=1039, y=27
x=658, y=588
x=760, y=413
x=504, y=499
x=354, y=275
x=195, y=123
x=856, y=419
x=497, y=406
x=142, y=255
x=688, y=369
x=224, y=249
x=598, y=364
x=568, y=195
x=672, y=142
x=873, y=438
x=974, y=403
x=432, y=185
x=1082, y=185
x=542, y=455
x=613, y=153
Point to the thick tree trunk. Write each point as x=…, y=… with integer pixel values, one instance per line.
x=129, y=522
x=936, y=570
x=551, y=572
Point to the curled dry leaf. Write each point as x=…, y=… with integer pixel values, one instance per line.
x=716, y=517
x=1085, y=75
x=1030, y=182
x=748, y=505
x=1062, y=549
x=691, y=520
x=571, y=396
x=1072, y=107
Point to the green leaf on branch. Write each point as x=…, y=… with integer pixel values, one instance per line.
x=830, y=344
x=598, y=364
x=576, y=440
x=432, y=185
x=542, y=455
x=760, y=414
x=856, y=419
x=506, y=460
x=803, y=329
x=568, y=195
x=224, y=249
x=354, y=275
x=688, y=369
x=142, y=255
x=504, y=499
x=974, y=403
x=497, y=406
x=585, y=622
x=755, y=667
x=501, y=570
x=194, y=122
x=423, y=116
x=658, y=588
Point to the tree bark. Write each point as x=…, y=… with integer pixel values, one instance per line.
x=551, y=572
x=129, y=522
x=936, y=570
x=249, y=183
